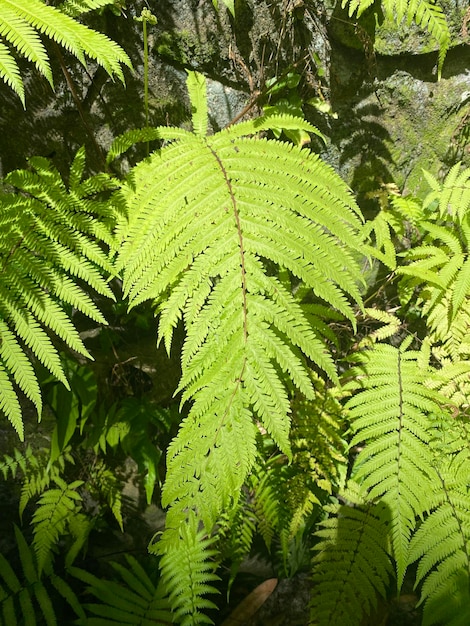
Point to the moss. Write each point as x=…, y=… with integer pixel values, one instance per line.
x=185, y=48
x=421, y=123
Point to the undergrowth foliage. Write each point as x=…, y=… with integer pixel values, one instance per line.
x=307, y=419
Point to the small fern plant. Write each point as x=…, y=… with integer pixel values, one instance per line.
x=208, y=220
x=21, y=22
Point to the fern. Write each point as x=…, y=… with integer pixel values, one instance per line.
x=440, y=266
x=204, y=214
x=74, y=8
x=424, y=13
x=25, y=596
x=55, y=507
x=49, y=246
x=453, y=195
x=390, y=418
x=133, y=600
x=442, y=545
x=22, y=20
x=351, y=567
x=11, y=465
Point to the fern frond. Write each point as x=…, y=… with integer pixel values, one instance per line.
x=442, y=544
x=135, y=599
x=444, y=269
x=391, y=325
x=10, y=72
x=11, y=465
x=187, y=571
x=390, y=418
x=351, y=567
x=50, y=519
x=49, y=237
x=39, y=475
x=24, y=39
x=21, y=19
x=453, y=195
x=122, y=143
x=74, y=8
x=206, y=216
x=9, y=403
x=26, y=597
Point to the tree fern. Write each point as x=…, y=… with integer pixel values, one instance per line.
x=49, y=247
x=204, y=215
x=425, y=13
x=22, y=20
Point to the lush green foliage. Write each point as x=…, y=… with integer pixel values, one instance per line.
x=305, y=418
x=20, y=22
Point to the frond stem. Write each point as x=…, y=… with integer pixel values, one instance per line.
x=240, y=238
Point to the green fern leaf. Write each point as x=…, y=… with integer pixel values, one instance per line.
x=390, y=416
x=24, y=39
x=19, y=21
x=453, y=195
x=351, y=567
x=49, y=237
x=74, y=8
x=50, y=519
x=133, y=600
x=9, y=403
x=10, y=72
x=11, y=465
x=187, y=571
x=204, y=217
x=442, y=542
x=200, y=116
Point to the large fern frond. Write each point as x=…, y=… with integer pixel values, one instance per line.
x=22, y=20
x=390, y=420
x=54, y=509
x=207, y=216
x=187, y=569
x=50, y=246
